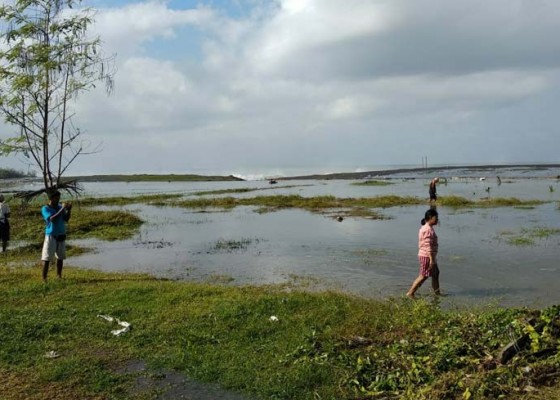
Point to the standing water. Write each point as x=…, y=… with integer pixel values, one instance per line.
x=505, y=255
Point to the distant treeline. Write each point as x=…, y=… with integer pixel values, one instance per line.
x=9, y=173
x=153, y=178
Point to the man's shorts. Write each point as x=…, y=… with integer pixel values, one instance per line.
x=52, y=247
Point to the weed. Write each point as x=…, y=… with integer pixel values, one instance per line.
x=230, y=246
x=528, y=236
x=373, y=183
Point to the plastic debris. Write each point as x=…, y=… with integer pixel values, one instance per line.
x=51, y=354
x=273, y=318
x=117, y=332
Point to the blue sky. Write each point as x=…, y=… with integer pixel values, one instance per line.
x=257, y=87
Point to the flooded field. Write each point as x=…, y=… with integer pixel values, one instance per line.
x=505, y=255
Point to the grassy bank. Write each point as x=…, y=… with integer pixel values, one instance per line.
x=322, y=345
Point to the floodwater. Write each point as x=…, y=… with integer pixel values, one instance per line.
x=373, y=258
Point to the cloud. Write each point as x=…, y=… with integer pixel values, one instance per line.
x=319, y=40
x=338, y=84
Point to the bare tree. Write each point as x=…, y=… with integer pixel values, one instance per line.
x=46, y=61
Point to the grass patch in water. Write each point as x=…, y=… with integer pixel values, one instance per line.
x=529, y=236
x=232, y=245
x=323, y=345
x=28, y=225
x=297, y=201
x=520, y=241
x=371, y=252
x=346, y=207
x=326, y=202
x=373, y=183
x=152, y=199
x=461, y=202
x=223, y=191
x=242, y=190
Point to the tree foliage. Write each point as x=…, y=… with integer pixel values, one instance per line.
x=46, y=60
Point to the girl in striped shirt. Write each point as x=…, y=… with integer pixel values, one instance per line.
x=427, y=254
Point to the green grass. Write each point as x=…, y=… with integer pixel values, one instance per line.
x=529, y=236
x=243, y=190
x=373, y=183
x=324, y=345
x=153, y=199
x=461, y=202
x=27, y=224
x=325, y=202
x=362, y=207
x=223, y=191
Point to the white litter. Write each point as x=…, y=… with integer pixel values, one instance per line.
x=117, y=332
x=51, y=354
x=273, y=318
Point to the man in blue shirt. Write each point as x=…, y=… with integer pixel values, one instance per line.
x=55, y=216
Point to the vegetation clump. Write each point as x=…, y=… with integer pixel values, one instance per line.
x=87, y=222
x=373, y=183
x=529, y=236
x=9, y=173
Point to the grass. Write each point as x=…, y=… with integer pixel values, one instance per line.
x=27, y=224
x=243, y=190
x=461, y=202
x=324, y=345
x=229, y=246
x=362, y=207
x=373, y=183
x=153, y=199
x=529, y=236
x=326, y=202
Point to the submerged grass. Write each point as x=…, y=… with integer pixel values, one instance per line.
x=242, y=190
x=361, y=207
x=324, y=202
x=323, y=345
x=461, y=202
x=373, y=183
x=529, y=236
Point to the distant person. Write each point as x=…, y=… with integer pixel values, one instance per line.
x=427, y=253
x=55, y=216
x=432, y=190
x=4, y=223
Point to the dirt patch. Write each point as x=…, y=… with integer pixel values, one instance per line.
x=172, y=385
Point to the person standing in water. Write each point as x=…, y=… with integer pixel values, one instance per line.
x=427, y=253
x=432, y=189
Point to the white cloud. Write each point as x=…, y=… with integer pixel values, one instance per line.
x=332, y=82
x=126, y=29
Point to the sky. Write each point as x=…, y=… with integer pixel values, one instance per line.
x=259, y=88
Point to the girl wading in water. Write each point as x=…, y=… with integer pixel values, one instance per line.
x=427, y=254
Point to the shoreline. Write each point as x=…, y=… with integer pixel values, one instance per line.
x=145, y=177
x=385, y=172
